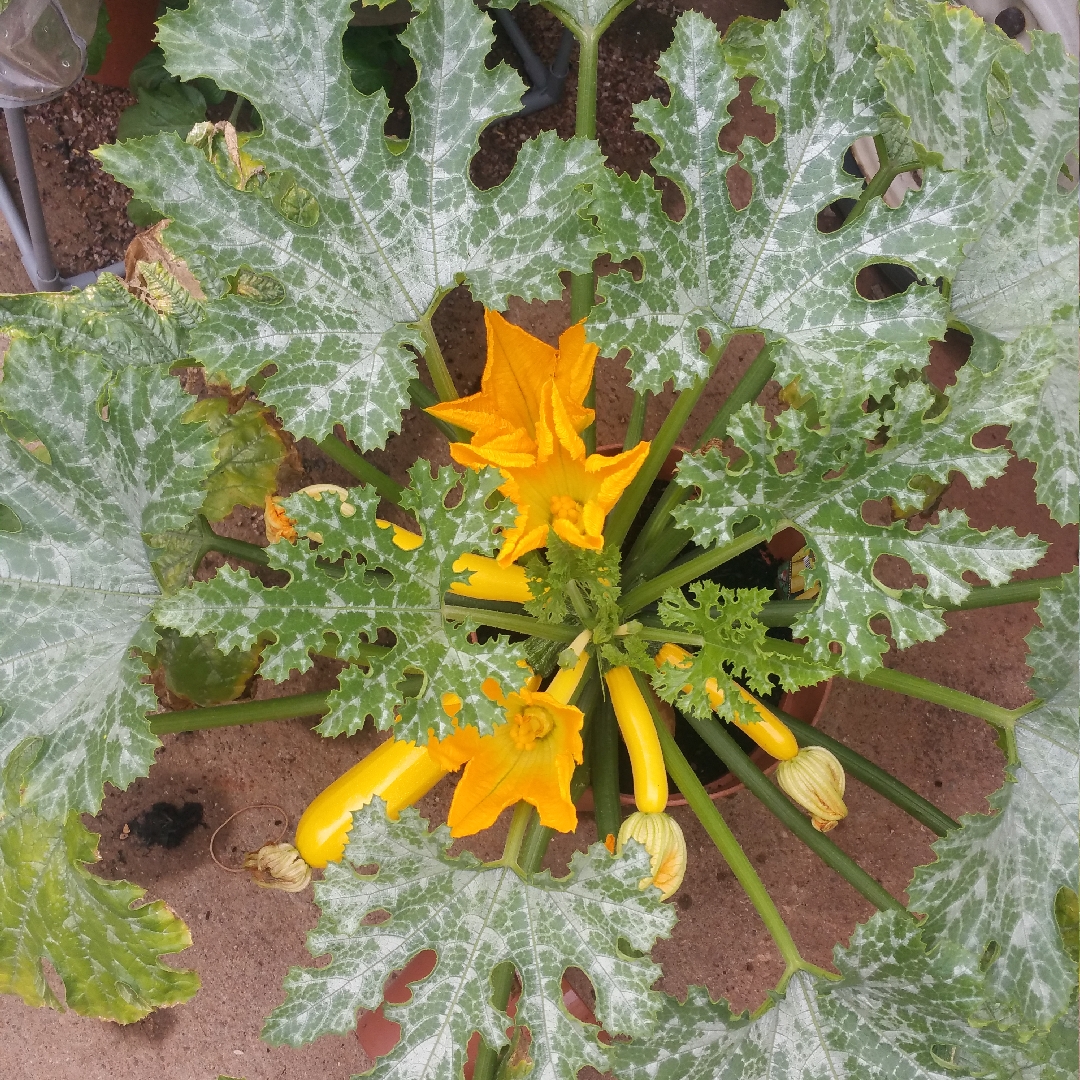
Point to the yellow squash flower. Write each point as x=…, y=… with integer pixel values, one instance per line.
x=531, y=757
x=503, y=415
x=526, y=421
x=564, y=490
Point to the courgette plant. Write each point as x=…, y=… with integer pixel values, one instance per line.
x=306, y=263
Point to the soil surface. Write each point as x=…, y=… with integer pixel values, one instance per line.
x=246, y=938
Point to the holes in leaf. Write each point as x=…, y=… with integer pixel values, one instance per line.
x=990, y=954
x=895, y=574
x=740, y=185
x=1068, y=175
x=27, y=439
x=579, y=995
x=377, y=1035
x=256, y=287
x=9, y=520
x=1067, y=916
x=879, y=280
x=376, y=917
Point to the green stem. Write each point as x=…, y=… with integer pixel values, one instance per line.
x=244, y=712
x=234, y=114
x=649, y=591
x=785, y=612
x=698, y=800
x=622, y=517
x=433, y=357
x=635, y=428
x=240, y=549
x=523, y=814
x=879, y=183
x=581, y=609
x=502, y=978
x=1013, y=592
x=423, y=397
x=873, y=776
x=660, y=540
x=515, y=624
x=604, y=754
x=362, y=469
x=677, y=637
x=583, y=286
x=914, y=686
x=713, y=732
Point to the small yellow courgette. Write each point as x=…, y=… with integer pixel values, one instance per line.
x=398, y=771
x=490, y=581
x=768, y=730
x=639, y=734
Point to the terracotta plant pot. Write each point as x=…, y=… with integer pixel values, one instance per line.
x=132, y=28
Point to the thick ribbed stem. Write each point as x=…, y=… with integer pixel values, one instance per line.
x=714, y=733
x=677, y=576
x=873, y=776
x=361, y=468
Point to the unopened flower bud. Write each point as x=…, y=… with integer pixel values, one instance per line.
x=815, y=780
x=662, y=838
x=278, y=866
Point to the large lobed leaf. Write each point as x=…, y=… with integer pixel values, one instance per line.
x=839, y=466
x=475, y=917
x=394, y=590
x=898, y=1012
x=767, y=266
x=76, y=585
x=397, y=226
x=974, y=100
x=995, y=882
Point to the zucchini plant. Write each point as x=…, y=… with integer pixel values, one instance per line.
x=525, y=612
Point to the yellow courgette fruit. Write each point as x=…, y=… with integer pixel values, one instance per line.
x=398, y=771
x=490, y=581
x=639, y=734
x=768, y=730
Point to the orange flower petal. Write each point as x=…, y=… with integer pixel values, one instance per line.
x=518, y=761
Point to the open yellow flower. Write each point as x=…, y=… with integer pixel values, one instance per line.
x=531, y=757
x=526, y=422
x=503, y=415
x=564, y=490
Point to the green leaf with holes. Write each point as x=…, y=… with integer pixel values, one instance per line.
x=378, y=587
x=820, y=475
x=898, y=1012
x=977, y=101
x=767, y=266
x=76, y=585
x=735, y=646
x=995, y=884
x=475, y=917
x=399, y=225
x=106, y=952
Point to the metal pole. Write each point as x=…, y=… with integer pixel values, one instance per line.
x=46, y=276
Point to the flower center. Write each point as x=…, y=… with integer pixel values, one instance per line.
x=530, y=725
x=564, y=508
